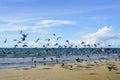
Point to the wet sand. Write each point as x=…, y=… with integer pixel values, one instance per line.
x=71, y=71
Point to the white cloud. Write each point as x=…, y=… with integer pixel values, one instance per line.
x=49, y=23
x=102, y=35
x=31, y=24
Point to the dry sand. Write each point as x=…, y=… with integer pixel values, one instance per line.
x=71, y=71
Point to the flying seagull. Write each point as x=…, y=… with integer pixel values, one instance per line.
x=5, y=41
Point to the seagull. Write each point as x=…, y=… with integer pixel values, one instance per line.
x=24, y=37
x=54, y=34
x=15, y=46
x=95, y=45
x=25, y=45
x=82, y=42
x=65, y=46
x=59, y=46
x=58, y=38
x=5, y=41
x=76, y=46
x=88, y=45
x=47, y=44
x=21, y=32
x=67, y=41
x=44, y=46
x=55, y=44
x=47, y=39
x=37, y=40
x=98, y=43
x=15, y=40
x=19, y=42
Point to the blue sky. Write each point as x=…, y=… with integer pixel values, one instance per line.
x=92, y=21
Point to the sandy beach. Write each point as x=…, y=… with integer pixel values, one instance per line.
x=71, y=71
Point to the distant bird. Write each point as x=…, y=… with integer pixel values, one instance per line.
x=44, y=58
x=15, y=46
x=62, y=64
x=15, y=40
x=47, y=44
x=71, y=45
x=54, y=34
x=95, y=62
x=88, y=56
x=47, y=39
x=24, y=36
x=82, y=42
x=67, y=41
x=19, y=42
x=5, y=41
x=25, y=45
x=88, y=45
x=35, y=63
x=3, y=52
x=78, y=59
x=51, y=59
x=109, y=68
x=21, y=32
x=65, y=46
x=95, y=45
x=44, y=46
x=23, y=39
x=55, y=44
x=59, y=46
x=98, y=43
x=57, y=61
x=37, y=40
x=76, y=46
x=58, y=38
x=84, y=45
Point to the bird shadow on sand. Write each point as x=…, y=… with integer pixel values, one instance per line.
x=92, y=73
x=45, y=69
x=23, y=68
x=117, y=73
x=79, y=67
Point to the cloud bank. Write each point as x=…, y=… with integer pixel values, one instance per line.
x=103, y=35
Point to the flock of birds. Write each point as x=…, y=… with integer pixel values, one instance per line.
x=24, y=36
x=68, y=44
x=22, y=42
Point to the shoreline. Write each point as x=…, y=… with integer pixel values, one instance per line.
x=29, y=61
x=53, y=63
x=70, y=71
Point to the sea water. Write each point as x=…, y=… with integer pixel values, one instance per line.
x=62, y=55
